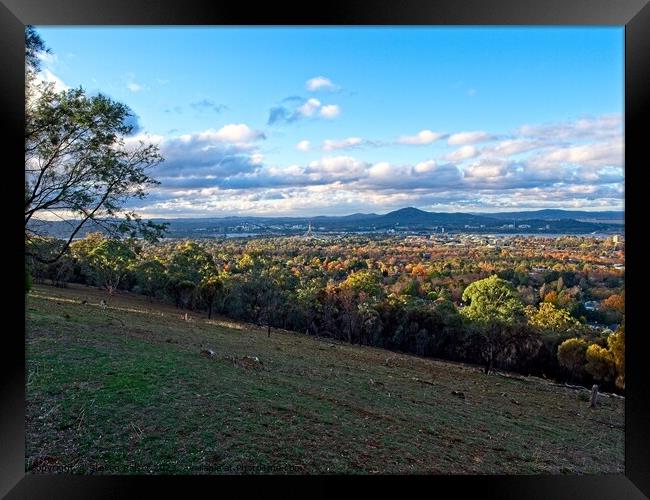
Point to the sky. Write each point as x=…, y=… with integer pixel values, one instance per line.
x=333, y=121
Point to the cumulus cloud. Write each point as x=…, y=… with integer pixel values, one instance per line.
x=426, y=166
x=310, y=107
x=462, y=138
x=602, y=154
x=487, y=170
x=303, y=146
x=349, y=143
x=589, y=128
x=234, y=133
x=330, y=111
x=320, y=83
x=512, y=147
x=337, y=167
x=204, y=158
x=463, y=153
x=223, y=170
x=421, y=138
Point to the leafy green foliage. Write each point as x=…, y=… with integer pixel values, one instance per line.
x=77, y=162
x=600, y=363
x=572, y=354
x=492, y=300
x=307, y=286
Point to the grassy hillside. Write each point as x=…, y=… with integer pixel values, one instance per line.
x=126, y=390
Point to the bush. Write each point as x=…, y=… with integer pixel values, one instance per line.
x=572, y=355
x=600, y=363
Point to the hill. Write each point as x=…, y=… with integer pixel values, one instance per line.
x=126, y=390
x=407, y=219
x=555, y=214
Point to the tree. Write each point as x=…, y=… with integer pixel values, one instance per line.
x=309, y=306
x=615, y=302
x=34, y=45
x=110, y=261
x=77, y=164
x=550, y=319
x=150, y=276
x=187, y=267
x=571, y=354
x=616, y=344
x=613, y=308
x=600, y=363
x=210, y=287
x=359, y=290
x=495, y=309
x=492, y=299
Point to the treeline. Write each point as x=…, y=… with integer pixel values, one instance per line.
x=488, y=320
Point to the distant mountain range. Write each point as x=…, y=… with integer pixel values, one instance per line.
x=555, y=214
x=399, y=221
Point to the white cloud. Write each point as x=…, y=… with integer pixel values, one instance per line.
x=592, y=128
x=49, y=58
x=47, y=76
x=425, y=166
x=132, y=85
x=330, y=111
x=303, y=145
x=512, y=147
x=381, y=169
x=486, y=170
x=463, y=153
x=350, y=142
x=309, y=107
x=338, y=167
x=222, y=170
x=320, y=83
x=462, y=138
x=234, y=133
x=421, y=138
x=602, y=154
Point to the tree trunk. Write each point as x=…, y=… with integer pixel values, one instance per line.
x=594, y=396
x=488, y=366
x=268, y=331
x=210, y=311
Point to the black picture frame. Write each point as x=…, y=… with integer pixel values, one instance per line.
x=633, y=14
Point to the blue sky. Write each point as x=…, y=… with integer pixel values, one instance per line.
x=287, y=121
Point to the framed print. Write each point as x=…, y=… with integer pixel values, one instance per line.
x=362, y=240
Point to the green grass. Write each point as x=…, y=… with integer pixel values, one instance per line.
x=126, y=391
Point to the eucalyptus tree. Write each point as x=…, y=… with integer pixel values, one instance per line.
x=79, y=165
x=496, y=311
